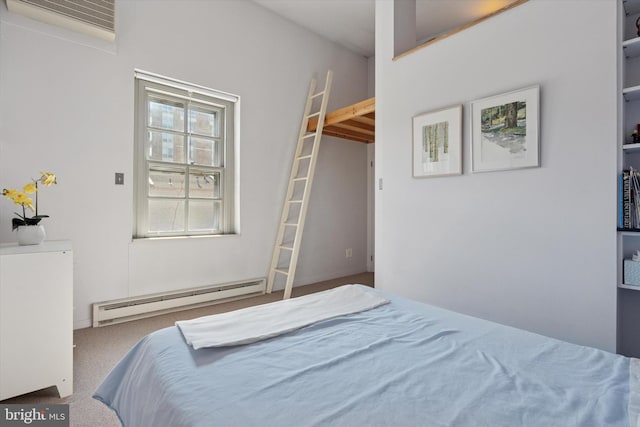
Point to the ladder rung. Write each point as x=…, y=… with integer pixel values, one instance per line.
x=310, y=135
x=317, y=94
x=308, y=156
x=285, y=272
x=289, y=248
x=313, y=115
x=290, y=224
x=302, y=178
x=294, y=201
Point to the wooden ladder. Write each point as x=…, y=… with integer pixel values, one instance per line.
x=294, y=211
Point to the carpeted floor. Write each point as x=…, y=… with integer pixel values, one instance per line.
x=97, y=350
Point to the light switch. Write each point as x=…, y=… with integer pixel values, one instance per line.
x=119, y=178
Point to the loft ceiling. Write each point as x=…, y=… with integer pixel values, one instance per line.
x=351, y=23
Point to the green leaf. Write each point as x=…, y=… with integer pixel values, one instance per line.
x=33, y=220
x=17, y=222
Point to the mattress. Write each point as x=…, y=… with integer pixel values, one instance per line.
x=401, y=364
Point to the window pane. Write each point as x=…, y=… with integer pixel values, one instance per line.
x=166, y=215
x=166, y=182
x=206, y=152
x=204, y=184
x=204, y=215
x=166, y=114
x=165, y=146
x=203, y=121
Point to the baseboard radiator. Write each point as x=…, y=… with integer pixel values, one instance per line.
x=127, y=309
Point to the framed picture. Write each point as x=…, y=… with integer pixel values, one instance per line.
x=437, y=143
x=505, y=131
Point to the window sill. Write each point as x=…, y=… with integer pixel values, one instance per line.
x=135, y=240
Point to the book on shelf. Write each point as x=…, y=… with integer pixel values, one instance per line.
x=620, y=202
x=629, y=195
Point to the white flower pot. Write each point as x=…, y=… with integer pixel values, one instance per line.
x=31, y=234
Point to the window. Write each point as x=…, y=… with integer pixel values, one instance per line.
x=185, y=148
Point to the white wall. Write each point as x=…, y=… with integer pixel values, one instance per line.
x=531, y=248
x=371, y=186
x=66, y=106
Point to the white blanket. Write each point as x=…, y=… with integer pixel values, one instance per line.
x=634, y=392
x=269, y=320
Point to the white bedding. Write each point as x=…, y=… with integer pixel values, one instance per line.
x=634, y=392
x=269, y=320
x=400, y=364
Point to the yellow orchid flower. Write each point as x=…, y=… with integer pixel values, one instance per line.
x=23, y=200
x=9, y=193
x=29, y=203
x=30, y=188
x=48, y=178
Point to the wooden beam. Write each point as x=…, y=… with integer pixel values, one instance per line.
x=365, y=120
x=361, y=122
x=359, y=125
x=356, y=126
x=338, y=134
x=363, y=107
x=358, y=133
x=355, y=134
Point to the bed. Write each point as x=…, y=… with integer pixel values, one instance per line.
x=402, y=363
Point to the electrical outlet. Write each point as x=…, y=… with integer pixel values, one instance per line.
x=119, y=178
x=349, y=253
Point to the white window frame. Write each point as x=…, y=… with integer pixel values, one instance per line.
x=148, y=83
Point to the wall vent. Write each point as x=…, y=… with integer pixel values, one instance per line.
x=93, y=17
x=127, y=309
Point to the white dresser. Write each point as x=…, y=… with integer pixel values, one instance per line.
x=36, y=318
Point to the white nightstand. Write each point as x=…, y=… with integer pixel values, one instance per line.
x=36, y=318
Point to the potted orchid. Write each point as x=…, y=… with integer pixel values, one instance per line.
x=29, y=230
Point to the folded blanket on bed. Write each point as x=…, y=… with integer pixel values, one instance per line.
x=269, y=320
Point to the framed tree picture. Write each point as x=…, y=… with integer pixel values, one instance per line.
x=437, y=143
x=505, y=131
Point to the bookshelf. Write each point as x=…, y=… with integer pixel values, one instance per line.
x=630, y=287
x=628, y=307
x=631, y=47
x=631, y=148
x=631, y=93
x=628, y=232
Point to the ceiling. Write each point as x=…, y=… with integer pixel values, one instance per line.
x=351, y=23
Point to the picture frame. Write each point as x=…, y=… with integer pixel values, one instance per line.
x=505, y=131
x=437, y=143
